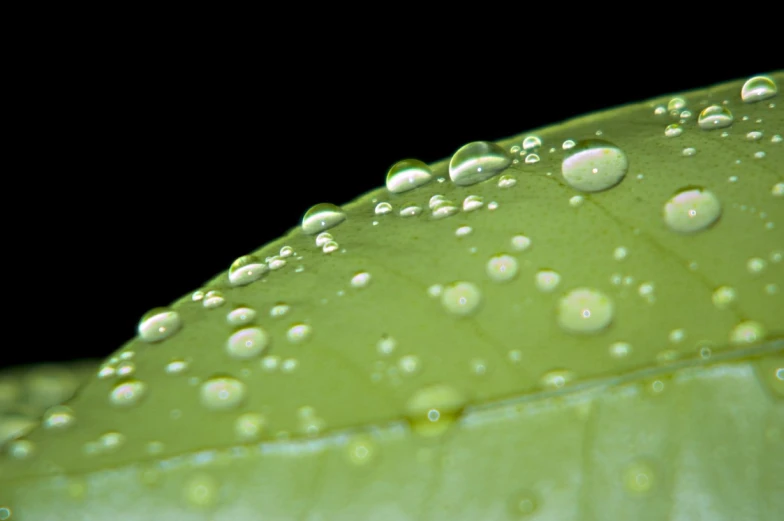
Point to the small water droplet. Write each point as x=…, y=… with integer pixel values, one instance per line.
x=383, y=209
x=360, y=280
x=246, y=269
x=506, y=181
x=127, y=393
x=714, y=117
x=676, y=105
x=620, y=253
x=531, y=159
x=477, y=161
x=320, y=217
x=20, y=449
x=547, y=280
x=408, y=174
x=522, y=504
x=159, y=324
x=531, y=142
x=758, y=88
x=724, y=296
x=386, y=345
x=576, y=200
x=501, y=267
x=461, y=298
x=556, y=379
x=249, y=426
x=688, y=151
x=639, y=478
x=568, y=144
x=241, y=316
x=410, y=210
x=777, y=190
x=463, y=231
x=213, y=299
x=692, y=210
x=361, y=450
x=247, y=343
x=585, y=310
x=677, y=335
x=620, y=349
x=201, y=491
x=58, y=417
x=520, y=243
x=409, y=365
x=473, y=202
x=330, y=246
x=298, y=333
x=594, y=165
x=673, y=130
x=222, y=393
x=754, y=135
x=177, y=367
x=443, y=209
x=433, y=409
x=478, y=367
x=756, y=265
x=275, y=262
x=747, y=332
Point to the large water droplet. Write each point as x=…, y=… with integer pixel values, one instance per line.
x=461, y=298
x=585, y=310
x=247, y=343
x=692, y=210
x=758, y=88
x=245, y=270
x=715, y=116
x=476, y=162
x=127, y=393
x=432, y=410
x=594, y=165
x=322, y=216
x=158, y=324
x=222, y=393
x=408, y=174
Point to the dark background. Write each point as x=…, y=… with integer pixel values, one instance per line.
x=135, y=172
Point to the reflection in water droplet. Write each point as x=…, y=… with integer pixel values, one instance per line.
x=247, y=343
x=476, y=162
x=758, y=88
x=461, y=298
x=692, y=210
x=246, y=269
x=158, y=324
x=715, y=116
x=408, y=174
x=585, y=310
x=594, y=165
x=222, y=393
x=127, y=393
x=320, y=217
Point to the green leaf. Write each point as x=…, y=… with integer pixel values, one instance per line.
x=591, y=333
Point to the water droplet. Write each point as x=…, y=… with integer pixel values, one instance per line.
x=275, y=262
x=249, y=426
x=531, y=142
x=463, y=231
x=620, y=349
x=501, y=267
x=383, y=209
x=127, y=393
x=506, y=181
x=531, y=159
x=58, y=417
x=724, y=296
x=298, y=333
x=409, y=365
x=594, y=165
x=673, y=130
x=620, y=253
x=756, y=265
x=323, y=238
x=715, y=116
x=408, y=174
x=556, y=379
x=110, y=441
x=322, y=216
x=279, y=309
x=747, y=332
x=476, y=162
x=286, y=251
x=576, y=200
x=473, y=202
x=241, y=316
x=410, y=210
x=639, y=478
x=201, y=491
x=754, y=135
x=433, y=409
x=5, y=513
x=213, y=299
x=330, y=246
x=159, y=324
x=461, y=298
x=689, y=151
x=443, y=209
x=676, y=105
x=247, y=343
x=246, y=269
x=20, y=449
x=478, y=367
x=361, y=450
x=547, y=280
x=360, y=280
x=177, y=367
x=222, y=393
x=386, y=345
x=585, y=310
x=692, y=210
x=758, y=88
x=522, y=503
x=520, y=243
x=677, y=335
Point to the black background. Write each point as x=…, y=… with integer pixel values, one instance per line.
x=132, y=170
